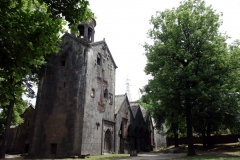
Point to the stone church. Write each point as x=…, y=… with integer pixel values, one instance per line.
x=135, y=130
x=77, y=113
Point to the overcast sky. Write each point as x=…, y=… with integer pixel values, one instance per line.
x=124, y=25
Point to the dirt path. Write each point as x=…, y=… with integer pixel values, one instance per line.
x=154, y=155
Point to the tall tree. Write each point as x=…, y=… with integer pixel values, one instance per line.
x=29, y=30
x=187, y=52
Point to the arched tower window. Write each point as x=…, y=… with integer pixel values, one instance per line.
x=105, y=94
x=110, y=99
x=87, y=31
x=99, y=59
x=92, y=93
x=81, y=30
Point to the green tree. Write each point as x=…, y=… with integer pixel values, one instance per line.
x=29, y=30
x=19, y=108
x=187, y=52
x=218, y=108
x=165, y=112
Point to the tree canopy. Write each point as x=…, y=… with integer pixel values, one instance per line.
x=29, y=30
x=193, y=70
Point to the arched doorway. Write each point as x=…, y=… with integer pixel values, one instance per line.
x=107, y=141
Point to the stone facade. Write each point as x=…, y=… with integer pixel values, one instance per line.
x=75, y=100
x=141, y=130
x=19, y=136
x=122, y=118
x=135, y=130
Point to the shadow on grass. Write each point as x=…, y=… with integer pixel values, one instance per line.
x=219, y=151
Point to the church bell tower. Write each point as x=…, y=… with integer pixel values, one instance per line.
x=87, y=31
x=75, y=101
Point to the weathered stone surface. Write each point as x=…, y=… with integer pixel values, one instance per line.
x=19, y=137
x=122, y=118
x=66, y=113
x=134, y=127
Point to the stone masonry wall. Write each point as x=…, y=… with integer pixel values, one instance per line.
x=122, y=114
x=93, y=134
x=59, y=106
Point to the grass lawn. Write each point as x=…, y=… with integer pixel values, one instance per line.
x=229, y=151
x=218, y=152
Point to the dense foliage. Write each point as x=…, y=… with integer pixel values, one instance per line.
x=195, y=75
x=29, y=30
x=19, y=108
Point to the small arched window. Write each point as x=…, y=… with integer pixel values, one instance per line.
x=106, y=94
x=92, y=93
x=103, y=51
x=110, y=99
x=99, y=59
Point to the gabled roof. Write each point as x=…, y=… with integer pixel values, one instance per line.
x=104, y=42
x=119, y=99
x=145, y=113
x=134, y=108
x=31, y=107
x=91, y=44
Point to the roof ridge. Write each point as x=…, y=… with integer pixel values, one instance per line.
x=119, y=95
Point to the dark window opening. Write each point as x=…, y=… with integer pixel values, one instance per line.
x=105, y=93
x=99, y=60
x=81, y=30
x=26, y=148
x=63, y=63
x=93, y=93
x=110, y=99
x=28, y=122
x=53, y=148
x=64, y=84
x=89, y=34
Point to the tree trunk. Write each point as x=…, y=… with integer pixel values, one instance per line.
x=3, y=145
x=204, y=140
x=176, y=139
x=191, y=151
x=175, y=130
x=209, y=142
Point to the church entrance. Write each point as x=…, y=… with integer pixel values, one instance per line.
x=107, y=141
